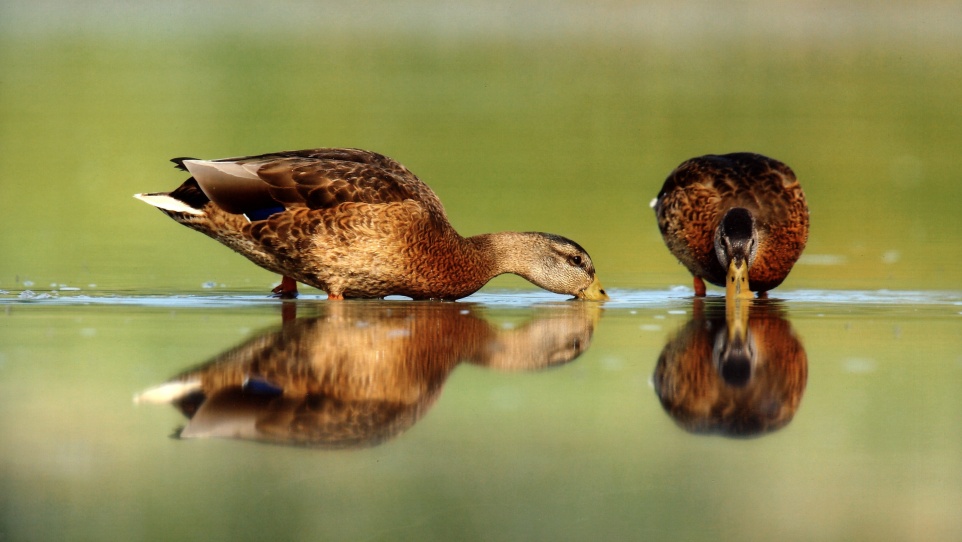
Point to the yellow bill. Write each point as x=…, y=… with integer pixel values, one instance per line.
x=594, y=292
x=736, y=283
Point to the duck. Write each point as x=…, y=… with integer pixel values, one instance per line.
x=734, y=369
x=357, y=224
x=739, y=221
x=353, y=375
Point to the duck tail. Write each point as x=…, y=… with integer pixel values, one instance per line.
x=169, y=392
x=179, y=162
x=188, y=199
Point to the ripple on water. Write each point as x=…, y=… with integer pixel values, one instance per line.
x=676, y=300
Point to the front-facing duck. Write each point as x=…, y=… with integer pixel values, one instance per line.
x=739, y=221
x=357, y=224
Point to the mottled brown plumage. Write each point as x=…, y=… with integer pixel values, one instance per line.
x=695, y=198
x=737, y=372
x=358, y=224
x=359, y=373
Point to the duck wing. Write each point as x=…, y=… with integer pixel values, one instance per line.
x=737, y=179
x=261, y=185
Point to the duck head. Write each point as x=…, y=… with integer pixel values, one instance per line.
x=736, y=244
x=564, y=267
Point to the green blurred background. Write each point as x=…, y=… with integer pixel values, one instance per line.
x=557, y=116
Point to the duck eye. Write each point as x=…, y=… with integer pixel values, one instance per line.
x=575, y=260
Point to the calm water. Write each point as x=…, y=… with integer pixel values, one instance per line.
x=505, y=416
x=513, y=414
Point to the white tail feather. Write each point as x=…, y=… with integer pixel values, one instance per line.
x=167, y=392
x=163, y=201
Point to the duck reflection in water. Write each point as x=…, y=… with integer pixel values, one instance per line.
x=735, y=370
x=360, y=373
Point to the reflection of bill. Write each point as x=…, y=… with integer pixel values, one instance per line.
x=361, y=372
x=738, y=371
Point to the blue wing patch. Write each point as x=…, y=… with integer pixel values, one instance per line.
x=258, y=386
x=263, y=214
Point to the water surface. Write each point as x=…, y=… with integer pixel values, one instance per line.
x=507, y=415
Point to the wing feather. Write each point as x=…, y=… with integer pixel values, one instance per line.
x=313, y=178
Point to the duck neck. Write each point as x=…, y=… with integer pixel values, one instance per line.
x=469, y=263
x=504, y=252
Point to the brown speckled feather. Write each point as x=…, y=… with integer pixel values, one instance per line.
x=325, y=178
x=698, y=193
x=358, y=224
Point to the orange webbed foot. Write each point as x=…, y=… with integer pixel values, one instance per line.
x=287, y=289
